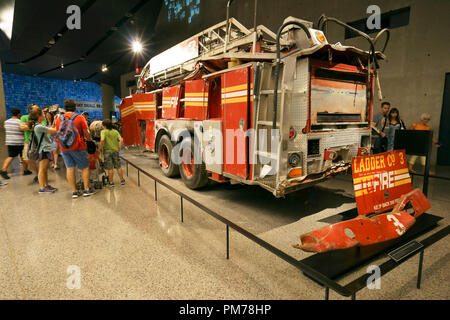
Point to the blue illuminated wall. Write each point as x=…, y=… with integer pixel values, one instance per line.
x=20, y=91
x=182, y=9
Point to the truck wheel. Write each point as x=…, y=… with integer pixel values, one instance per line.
x=193, y=175
x=165, y=147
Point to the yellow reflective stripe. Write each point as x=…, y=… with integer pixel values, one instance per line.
x=399, y=183
x=235, y=88
x=405, y=170
x=126, y=115
x=235, y=100
x=152, y=103
x=195, y=104
x=196, y=94
x=127, y=108
x=361, y=179
x=358, y=193
x=145, y=109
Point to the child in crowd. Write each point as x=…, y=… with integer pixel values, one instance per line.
x=50, y=116
x=110, y=144
x=42, y=133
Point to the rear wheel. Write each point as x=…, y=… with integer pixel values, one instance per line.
x=193, y=175
x=165, y=147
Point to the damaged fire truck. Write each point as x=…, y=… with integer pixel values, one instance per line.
x=292, y=109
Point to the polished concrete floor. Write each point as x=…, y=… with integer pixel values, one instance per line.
x=127, y=246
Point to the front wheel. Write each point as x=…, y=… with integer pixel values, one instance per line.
x=193, y=175
x=165, y=147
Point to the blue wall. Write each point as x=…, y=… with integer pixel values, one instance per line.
x=20, y=91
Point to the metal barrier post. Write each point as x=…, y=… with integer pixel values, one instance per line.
x=228, y=242
x=127, y=168
x=139, y=179
x=181, y=207
x=419, y=274
x=327, y=293
x=156, y=191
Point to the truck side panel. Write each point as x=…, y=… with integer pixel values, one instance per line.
x=236, y=116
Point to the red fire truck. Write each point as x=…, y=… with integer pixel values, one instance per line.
x=292, y=109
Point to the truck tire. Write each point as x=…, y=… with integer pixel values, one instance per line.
x=193, y=175
x=165, y=147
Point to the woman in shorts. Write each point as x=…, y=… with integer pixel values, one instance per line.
x=42, y=134
x=55, y=147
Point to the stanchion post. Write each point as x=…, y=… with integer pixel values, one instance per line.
x=181, y=208
x=228, y=242
x=419, y=273
x=139, y=178
x=327, y=293
x=127, y=168
x=156, y=191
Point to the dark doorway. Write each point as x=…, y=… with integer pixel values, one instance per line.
x=143, y=130
x=443, y=158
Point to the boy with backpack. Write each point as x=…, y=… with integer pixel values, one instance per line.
x=110, y=144
x=72, y=130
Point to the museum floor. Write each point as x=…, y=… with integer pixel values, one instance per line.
x=127, y=246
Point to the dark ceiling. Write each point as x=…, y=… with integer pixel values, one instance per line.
x=107, y=29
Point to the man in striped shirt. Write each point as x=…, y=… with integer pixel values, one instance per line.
x=14, y=140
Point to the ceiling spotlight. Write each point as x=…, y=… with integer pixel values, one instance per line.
x=62, y=65
x=104, y=68
x=137, y=46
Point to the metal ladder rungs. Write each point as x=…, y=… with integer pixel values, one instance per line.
x=267, y=92
x=266, y=123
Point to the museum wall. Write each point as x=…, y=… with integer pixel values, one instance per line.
x=20, y=91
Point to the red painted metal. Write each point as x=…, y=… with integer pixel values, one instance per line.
x=188, y=165
x=380, y=180
x=144, y=106
x=363, y=151
x=129, y=123
x=330, y=155
x=366, y=231
x=195, y=100
x=145, y=110
x=164, y=157
x=171, y=102
x=236, y=103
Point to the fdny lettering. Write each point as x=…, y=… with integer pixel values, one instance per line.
x=383, y=181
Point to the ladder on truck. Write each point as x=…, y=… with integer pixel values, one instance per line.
x=213, y=44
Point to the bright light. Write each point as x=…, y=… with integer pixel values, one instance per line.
x=6, y=21
x=104, y=68
x=137, y=46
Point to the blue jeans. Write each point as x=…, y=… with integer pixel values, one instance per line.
x=76, y=158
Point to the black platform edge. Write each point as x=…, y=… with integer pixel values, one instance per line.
x=338, y=263
x=387, y=266
x=307, y=269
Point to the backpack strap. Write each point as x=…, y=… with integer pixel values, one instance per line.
x=40, y=141
x=73, y=117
